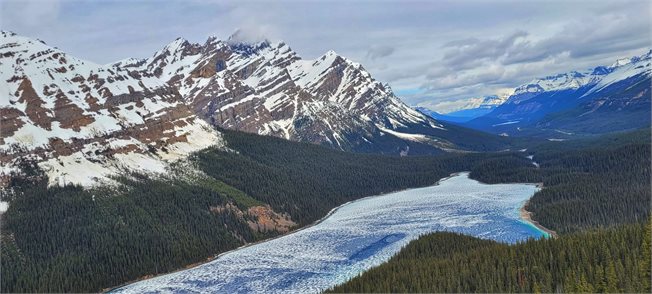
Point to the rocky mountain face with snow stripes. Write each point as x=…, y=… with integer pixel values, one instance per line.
x=81, y=122
x=266, y=88
x=69, y=115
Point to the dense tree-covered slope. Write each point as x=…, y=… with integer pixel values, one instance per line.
x=613, y=260
x=588, y=183
x=307, y=180
x=70, y=239
x=596, y=194
x=74, y=239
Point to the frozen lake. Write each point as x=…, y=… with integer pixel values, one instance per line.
x=357, y=236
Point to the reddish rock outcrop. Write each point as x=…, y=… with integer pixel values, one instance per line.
x=38, y=114
x=69, y=115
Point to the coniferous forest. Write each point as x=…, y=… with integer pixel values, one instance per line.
x=69, y=239
x=596, y=195
x=601, y=260
x=588, y=184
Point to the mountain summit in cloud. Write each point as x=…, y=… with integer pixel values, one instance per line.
x=241, y=36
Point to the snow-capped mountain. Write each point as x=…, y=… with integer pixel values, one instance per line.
x=599, y=77
x=474, y=107
x=490, y=101
x=603, y=93
x=68, y=114
x=266, y=88
x=81, y=121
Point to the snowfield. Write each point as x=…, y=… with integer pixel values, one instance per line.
x=356, y=237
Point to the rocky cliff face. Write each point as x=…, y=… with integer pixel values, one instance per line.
x=266, y=88
x=71, y=115
x=82, y=122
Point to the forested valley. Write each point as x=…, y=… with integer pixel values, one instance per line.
x=589, y=183
x=596, y=195
x=70, y=239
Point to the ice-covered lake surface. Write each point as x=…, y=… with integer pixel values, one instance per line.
x=356, y=237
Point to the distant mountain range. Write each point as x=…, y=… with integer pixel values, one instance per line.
x=66, y=114
x=475, y=108
x=600, y=100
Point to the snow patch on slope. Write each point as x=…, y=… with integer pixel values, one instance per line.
x=119, y=101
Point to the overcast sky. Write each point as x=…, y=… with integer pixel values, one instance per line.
x=433, y=53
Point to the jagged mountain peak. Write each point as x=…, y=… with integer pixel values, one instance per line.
x=77, y=114
x=67, y=114
x=276, y=89
x=18, y=43
x=178, y=44
x=330, y=54
x=247, y=42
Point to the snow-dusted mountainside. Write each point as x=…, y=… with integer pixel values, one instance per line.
x=475, y=107
x=266, y=88
x=602, y=99
x=69, y=115
x=444, y=117
x=82, y=121
x=486, y=102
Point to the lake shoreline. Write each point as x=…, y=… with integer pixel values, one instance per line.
x=527, y=217
x=214, y=257
x=227, y=255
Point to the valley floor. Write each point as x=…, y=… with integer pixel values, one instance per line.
x=69, y=239
x=597, y=197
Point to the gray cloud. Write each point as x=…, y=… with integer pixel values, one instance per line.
x=36, y=13
x=379, y=51
x=463, y=54
x=484, y=64
x=442, y=50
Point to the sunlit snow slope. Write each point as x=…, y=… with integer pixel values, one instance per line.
x=82, y=122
